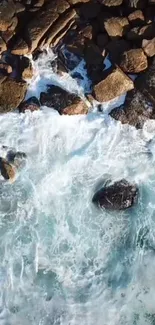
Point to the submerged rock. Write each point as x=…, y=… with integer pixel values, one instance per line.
x=7, y=170
x=118, y=196
x=32, y=104
x=16, y=158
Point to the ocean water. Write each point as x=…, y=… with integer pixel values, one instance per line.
x=62, y=260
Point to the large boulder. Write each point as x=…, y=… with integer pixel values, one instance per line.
x=7, y=11
x=115, y=84
x=119, y=196
x=12, y=94
x=136, y=110
x=63, y=102
x=133, y=61
x=7, y=170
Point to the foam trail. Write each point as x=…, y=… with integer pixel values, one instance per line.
x=62, y=261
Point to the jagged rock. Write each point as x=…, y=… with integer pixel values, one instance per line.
x=11, y=94
x=17, y=158
x=116, y=48
x=115, y=84
x=136, y=3
x=77, y=44
x=133, y=61
x=31, y=104
x=120, y=195
x=111, y=3
x=7, y=11
x=136, y=110
x=149, y=47
x=139, y=33
x=136, y=18
x=63, y=102
x=116, y=26
x=7, y=170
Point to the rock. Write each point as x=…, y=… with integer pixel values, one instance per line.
x=102, y=40
x=39, y=3
x=92, y=54
x=26, y=68
x=77, y=43
x=111, y=3
x=139, y=33
x=4, y=67
x=140, y=4
x=116, y=26
x=63, y=102
x=133, y=61
x=11, y=94
x=90, y=10
x=32, y=104
x=7, y=170
x=136, y=18
x=149, y=47
x=18, y=158
x=7, y=11
x=20, y=47
x=116, y=48
x=120, y=195
x=136, y=110
x=115, y=84
x=13, y=24
x=3, y=46
x=19, y=7
x=73, y=2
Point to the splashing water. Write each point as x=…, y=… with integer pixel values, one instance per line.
x=62, y=261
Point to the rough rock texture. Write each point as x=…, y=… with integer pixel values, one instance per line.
x=136, y=18
x=63, y=102
x=7, y=170
x=139, y=33
x=118, y=196
x=17, y=158
x=133, y=61
x=115, y=84
x=149, y=47
x=136, y=3
x=11, y=94
x=7, y=11
x=111, y=3
x=116, y=26
x=116, y=48
x=146, y=82
x=136, y=110
x=31, y=104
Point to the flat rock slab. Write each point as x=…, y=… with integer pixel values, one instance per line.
x=135, y=111
x=119, y=196
x=133, y=61
x=12, y=94
x=64, y=102
x=114, y=85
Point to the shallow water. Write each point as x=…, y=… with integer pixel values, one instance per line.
x=62, y=260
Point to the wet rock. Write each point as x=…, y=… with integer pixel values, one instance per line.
x=111, y=3
x=136, y=110
x=63, y=102
x=26, y=68
x=3, y=46
x=4, y=67
x=115, y=84
x=7, y=11
x=18, y=159
x=149, y=47
x=136, y=3
x=116, y=48
x=119, y=196
x=92, y=54
x=139, y=33
x=102, y=40
x=90, y=10
x=73, y=2
x=12, y=94
x=20, y=47
x=136, y=18
x=146, y=82
x=32, y=104
x=77, y=43
x=133, y=61
x=7, y=170
x=116, y=27
x=19, y=7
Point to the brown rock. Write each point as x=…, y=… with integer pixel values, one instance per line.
x=136, y=110
x=114, y=85
x=146, y=82
x=28, y=72
x=63, y=102
x=20, y=47
x=116, y=26
x=32, y=104
x=7, y=170
x=77, y=44
x=136, y=18
x=7, y=11
x=19, y=7
x=11, y=94
x=3, y=46
x=116, y=48
x=7, y=35
x=133, y=61
x=13, y=24
x=149, y=47
x=111, y=3
x=39, y=3
x=73, y=2
x=5, y=67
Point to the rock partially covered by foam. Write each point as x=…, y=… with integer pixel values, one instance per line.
x=7, y=170
x=118, y=196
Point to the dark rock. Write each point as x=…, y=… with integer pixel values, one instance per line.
x=136, y=18
x=64, y=102
x=149, y=47
x=146, y=82
x=92, y=54
x=4, y=67
x=31, y=104
x=7, y=170
x=133, y=61
x=116, y=27
x=120, y=195
x=18, y=158
x=7, y=11
x=11, y=94
x=3, y=46
x=116, y=48
x=102, y=40
x=140, y=4
x=136, y=110
x=115, y=84
x=139, y=33
x=90, y=10
x=77, y=44
x=111, y=3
